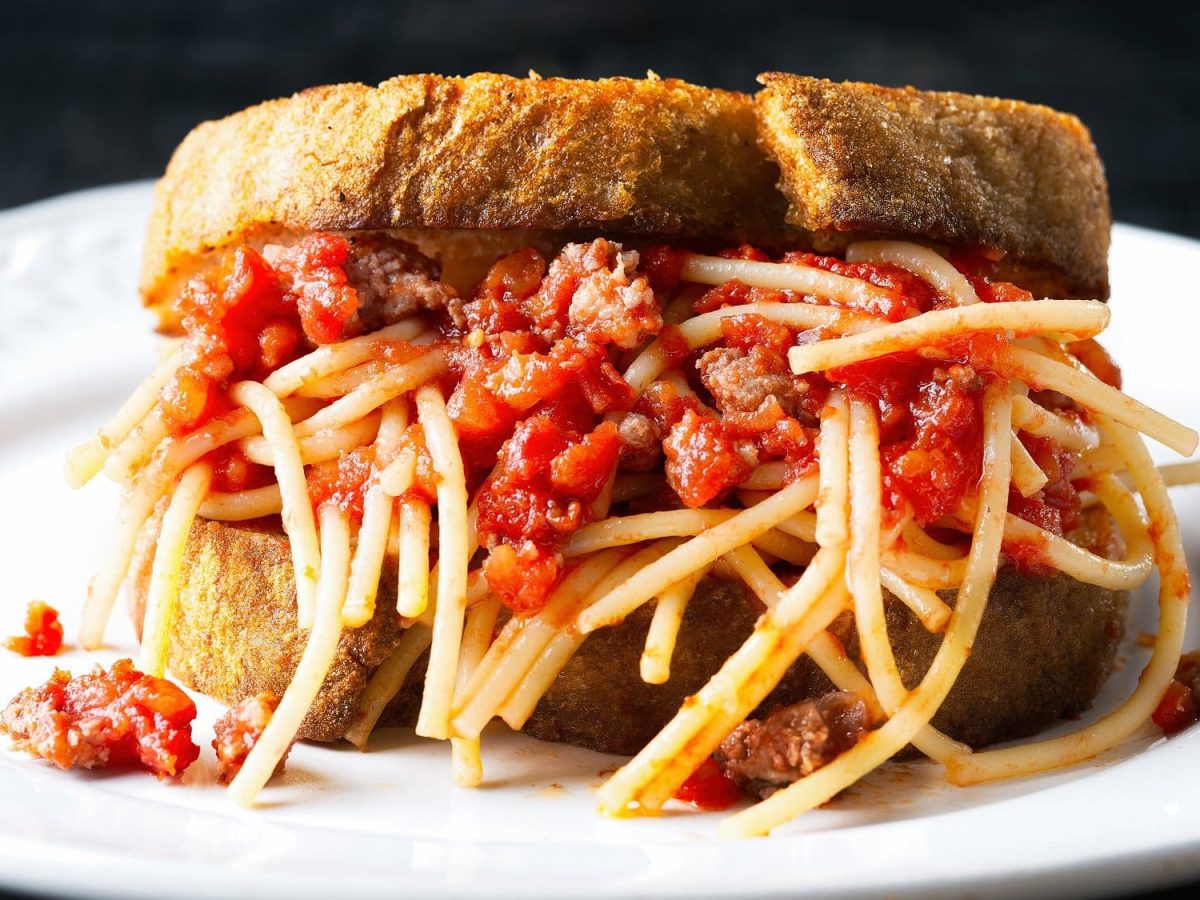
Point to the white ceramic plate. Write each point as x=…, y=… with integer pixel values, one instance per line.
x=73, y=342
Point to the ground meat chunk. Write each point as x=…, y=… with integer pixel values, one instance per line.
x=591, y=291
x=118, y=718
x=754, y=386
x=612, y=304
x=765, y=755
x=239, y=730
x=394, y=280
x=1189, y=673
x=641, y=443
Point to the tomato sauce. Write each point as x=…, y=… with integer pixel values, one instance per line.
x=709, y=788
x=703, y=460
x=238, y=730
x=931, y=427
x=1056, y=507
x=1177, y=709
x=735, y=293
x=250, y=317
x=1027, y=556
x=1097, y=360
x=533, y=378
x=909, y=294
x=663, y=266
x=1180, y=705
x=233, y=472
x=43, y=632
x=118, y=718
x=342, y=481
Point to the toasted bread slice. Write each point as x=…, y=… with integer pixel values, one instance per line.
x=1043, y=650
x=626, y=156
x=965, y=171
x=651, y=158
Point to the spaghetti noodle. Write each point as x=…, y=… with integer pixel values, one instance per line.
x=793, y=427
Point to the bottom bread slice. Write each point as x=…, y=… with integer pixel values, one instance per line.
x=1045, y=646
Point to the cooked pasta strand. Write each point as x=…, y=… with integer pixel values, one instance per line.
x=921, y=261
x=453, y=556
x=163, y=594
x=314, y=664
x=1082, y=318
x=921, y=704
x=699, y=551
x=293, y=490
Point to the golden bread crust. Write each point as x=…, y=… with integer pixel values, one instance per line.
x=652, y=157
x=1043, y=650
x=235, y=632
x=945, y=167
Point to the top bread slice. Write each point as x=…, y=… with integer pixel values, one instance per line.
x=807, y=162
x=957, y=169
x=619, y=155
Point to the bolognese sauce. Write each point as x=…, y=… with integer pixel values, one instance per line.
x=119, y=718
x=239, y=729
x=43, y=632
x=535, y=393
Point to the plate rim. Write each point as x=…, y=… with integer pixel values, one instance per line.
x=1162, y=865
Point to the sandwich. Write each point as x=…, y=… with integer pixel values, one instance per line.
x=757, y=438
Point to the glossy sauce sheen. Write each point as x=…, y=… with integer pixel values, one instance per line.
x=535, y=355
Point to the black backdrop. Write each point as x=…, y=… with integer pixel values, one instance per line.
x=97, y=91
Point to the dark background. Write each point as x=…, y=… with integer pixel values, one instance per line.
x=97, y=91
x=101, y=91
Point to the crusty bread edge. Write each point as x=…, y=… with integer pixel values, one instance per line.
x=491, y=152
x=952, y=169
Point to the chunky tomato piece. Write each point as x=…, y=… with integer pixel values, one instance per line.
x=663, y=266
x=703, y=462
x=674, y=345
x=547, y=308
x=522, y=576
x=941, y=462
x=709, y=788
x=115, y=719
x=662, y=403
x=998, y=291
x=1177, y=709
x=232, y=471
x=43, y=632
x=735, y=293
x=342, y=481
x=930, y=416
x=239, y=729
x=582, y=469
x=279, y=343
x=749, y=331
x=539, y=493
x=1097, y=361
x=530, y=378
x=516, y=276
x=794, y=443
x=325, y=300
x=745, y=251
x=481, y=420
